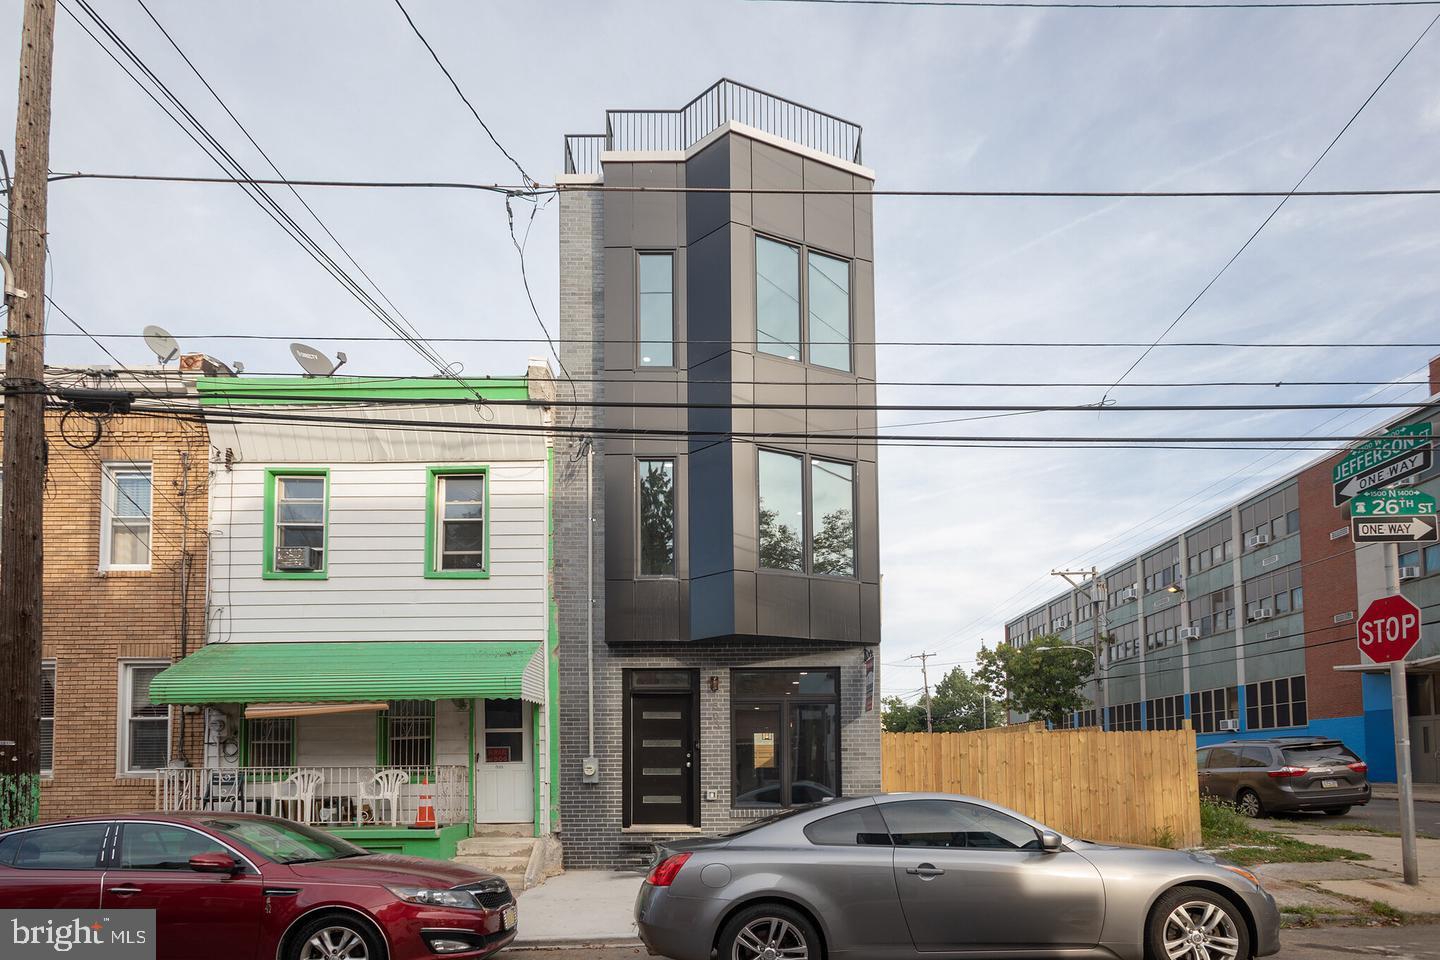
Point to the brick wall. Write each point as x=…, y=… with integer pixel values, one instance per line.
x=1329, y=577
x=93, y=619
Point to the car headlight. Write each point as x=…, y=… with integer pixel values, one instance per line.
x=436, y=898
x=1242, y=871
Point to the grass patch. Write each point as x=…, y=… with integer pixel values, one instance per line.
x=1165, y=837
x=1365, y=828
x=1382, y=909
x=1225, y=831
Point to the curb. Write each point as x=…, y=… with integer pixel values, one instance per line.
x=574, y=943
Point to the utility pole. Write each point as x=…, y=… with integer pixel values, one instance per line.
x=24, y=445
x=925, y=678
x=1089, y=583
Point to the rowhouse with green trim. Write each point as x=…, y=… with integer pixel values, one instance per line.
x=379, y=657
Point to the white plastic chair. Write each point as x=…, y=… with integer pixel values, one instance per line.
x=385, y=786
x=299, y=789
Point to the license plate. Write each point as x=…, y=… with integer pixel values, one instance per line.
x=509, y=917
x=1329, y=784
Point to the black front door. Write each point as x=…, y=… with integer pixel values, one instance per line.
x=662, y=760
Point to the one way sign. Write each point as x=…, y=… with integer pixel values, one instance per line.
x=1394, y=529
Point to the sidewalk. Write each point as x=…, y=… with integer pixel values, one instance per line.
x=579, y=907
x=1332, y=888
x=1428, y=792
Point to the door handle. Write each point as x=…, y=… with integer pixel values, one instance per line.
x=925, y=871
x=124, y=891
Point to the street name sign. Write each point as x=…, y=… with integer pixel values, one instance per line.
x=1401, y=455
x=1388, y=630
x=1396, y=501
x=1395, y=529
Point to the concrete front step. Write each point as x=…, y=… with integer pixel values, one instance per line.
x=495, y=847
x=505, y=830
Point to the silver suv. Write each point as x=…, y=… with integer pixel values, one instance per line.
x=1284, y=774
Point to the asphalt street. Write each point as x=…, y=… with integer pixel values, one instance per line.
x=1421, y=942
x=1382, y=815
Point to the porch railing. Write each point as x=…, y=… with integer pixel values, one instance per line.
x=725, y=101
x=334, y=796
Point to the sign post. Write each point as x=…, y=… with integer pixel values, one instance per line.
x=1386, y=633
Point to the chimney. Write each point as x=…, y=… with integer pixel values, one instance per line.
x=1435, y=376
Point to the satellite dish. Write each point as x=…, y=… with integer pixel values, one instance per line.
x=160, y=341
x=313, y=362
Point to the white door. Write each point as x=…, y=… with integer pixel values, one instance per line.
x=504, y=765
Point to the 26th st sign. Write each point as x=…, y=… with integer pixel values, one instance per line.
x=1401, y=455
x=1399, y=515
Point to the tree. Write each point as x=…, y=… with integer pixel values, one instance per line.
x=780, y=544
x=834, y=546
x=657, y=520
x=957, y=705
x=1043, y=678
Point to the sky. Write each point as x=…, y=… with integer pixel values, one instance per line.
x=984, y=99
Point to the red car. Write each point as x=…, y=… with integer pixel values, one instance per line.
x=233, y=886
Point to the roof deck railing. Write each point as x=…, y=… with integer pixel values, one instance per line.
x=726, y=101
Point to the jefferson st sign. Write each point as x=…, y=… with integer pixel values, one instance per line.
x=1399, y=456
x=1389, y=629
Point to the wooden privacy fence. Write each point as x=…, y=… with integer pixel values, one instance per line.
x=1117, y=787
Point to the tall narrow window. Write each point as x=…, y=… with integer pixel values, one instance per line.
x=145, y=734
x=832, y=517
x=270, y=742
x=777, y=298
x=461, y=502
x=125, y=517
x=296, y=507
x=410, y=739
x=657, y=310
x=782, y=511
x=47, y=718
x=657, y=518
x=829, y=307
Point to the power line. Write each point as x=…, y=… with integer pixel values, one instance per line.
x=531, y=190
x=1007, y=344
x=258, y=195
x=461, y=93
x=1278, y=207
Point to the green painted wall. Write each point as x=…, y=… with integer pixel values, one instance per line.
x=438, y=844
x=263, y=391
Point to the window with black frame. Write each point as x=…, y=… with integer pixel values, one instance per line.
x=785, y=734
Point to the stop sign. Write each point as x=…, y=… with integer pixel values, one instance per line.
x=1389, y=629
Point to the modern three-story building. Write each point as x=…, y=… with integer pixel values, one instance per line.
x=716, y=512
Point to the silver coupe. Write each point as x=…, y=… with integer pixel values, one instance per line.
x=942, y=876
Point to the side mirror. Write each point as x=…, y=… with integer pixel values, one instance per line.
x=1050, y=841
x=213, y=863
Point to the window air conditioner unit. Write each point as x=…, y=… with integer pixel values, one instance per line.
x=1229, y=725
x=1189, y=633
x=1264, y=613
x=1256, y=540
x=296, y=558
x=1409, y=573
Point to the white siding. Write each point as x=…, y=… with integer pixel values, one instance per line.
x=376, y=589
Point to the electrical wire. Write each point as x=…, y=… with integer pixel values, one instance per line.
x=1278, y=207
x=1141, y=5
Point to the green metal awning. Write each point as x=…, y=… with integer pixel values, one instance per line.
x=281, y=672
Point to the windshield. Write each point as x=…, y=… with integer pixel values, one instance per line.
x=284, y=842
x=1319, y=755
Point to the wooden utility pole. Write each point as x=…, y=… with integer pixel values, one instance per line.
x=22, y=568
x=924, y=659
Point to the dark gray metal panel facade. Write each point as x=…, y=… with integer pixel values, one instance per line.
x=720, y=612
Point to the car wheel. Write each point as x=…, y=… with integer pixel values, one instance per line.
x=334, y=938
x=1337, y=811
x=1191, y=923
x=768, y=931
x=1248, y=803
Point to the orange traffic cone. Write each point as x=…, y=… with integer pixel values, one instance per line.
x=425, y=816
